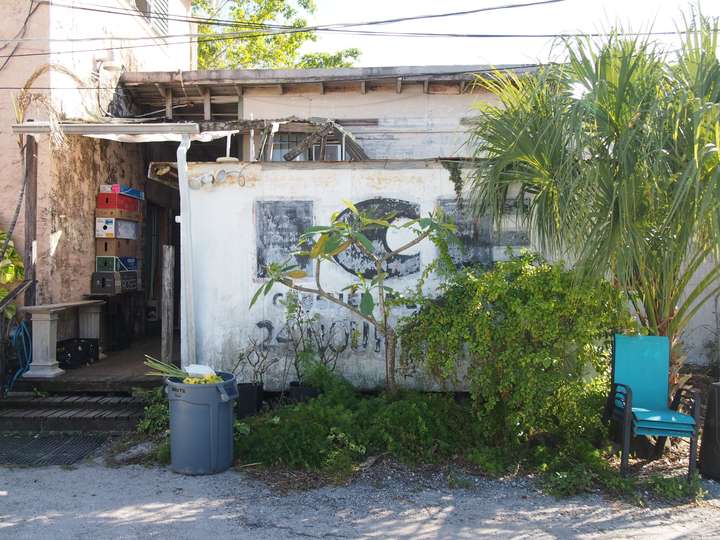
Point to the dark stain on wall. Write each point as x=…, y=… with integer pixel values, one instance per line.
x=278, y=229
x=478, y=237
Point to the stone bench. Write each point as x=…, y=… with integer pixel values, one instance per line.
x=44, y=320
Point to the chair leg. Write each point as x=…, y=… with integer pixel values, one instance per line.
x=660, y=447
x=693, y=456
x=626, y=427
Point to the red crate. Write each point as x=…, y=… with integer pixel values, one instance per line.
x=118, y=201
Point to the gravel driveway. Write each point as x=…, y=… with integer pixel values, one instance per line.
x=92, y=501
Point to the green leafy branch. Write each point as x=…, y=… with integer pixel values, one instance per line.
x=326, y=242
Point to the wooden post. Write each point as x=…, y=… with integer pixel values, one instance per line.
x=207, y=107
x=168, y=103
x=30, y=216
x=166, y=303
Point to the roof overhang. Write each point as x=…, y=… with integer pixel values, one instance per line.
x=219, y=94
x=131, y=132
x=95, y=128
x=263, y=77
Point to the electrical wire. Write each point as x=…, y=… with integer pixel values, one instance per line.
x=281, y=29
x=20, y=34
x=233, y=36
x=234, y=23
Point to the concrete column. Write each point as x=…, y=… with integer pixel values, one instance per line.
x=89, y=321
x=44, y=342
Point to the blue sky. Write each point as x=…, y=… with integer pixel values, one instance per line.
x=567, y=16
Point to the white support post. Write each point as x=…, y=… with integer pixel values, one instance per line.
x=44, y=343
x=89, y=321
x=188, y=350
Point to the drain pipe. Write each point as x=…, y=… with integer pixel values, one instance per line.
x=188, y=350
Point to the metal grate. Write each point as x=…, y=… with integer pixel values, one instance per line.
x=38, y=450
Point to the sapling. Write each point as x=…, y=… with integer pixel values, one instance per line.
x=377, y=299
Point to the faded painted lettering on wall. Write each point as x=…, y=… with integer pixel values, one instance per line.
x=270, y=210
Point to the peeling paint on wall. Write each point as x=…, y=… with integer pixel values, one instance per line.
x=237, y=227
x=66, y=223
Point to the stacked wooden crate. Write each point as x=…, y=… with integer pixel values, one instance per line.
x=118, y=218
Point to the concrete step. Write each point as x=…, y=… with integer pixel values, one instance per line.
x=68, y=401
x=70, y=413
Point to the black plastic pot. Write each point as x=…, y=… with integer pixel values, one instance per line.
x=299, y=393
x=250, y=399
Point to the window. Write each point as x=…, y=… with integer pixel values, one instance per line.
x=284, y=142
x=156, y=13
x=333, y=152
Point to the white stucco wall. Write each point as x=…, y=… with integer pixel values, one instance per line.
x=156, y=52
x=225, y=222
x=411, y=124
x=224, y=228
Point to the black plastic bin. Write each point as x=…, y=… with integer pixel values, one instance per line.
x=201, y=425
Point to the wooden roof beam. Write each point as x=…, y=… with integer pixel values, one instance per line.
x=239, y=90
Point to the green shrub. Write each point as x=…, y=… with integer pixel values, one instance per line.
x=533, y=342
x=492, y=460
x=317, y=435
x=156, y=417
x=674, y=489
x=425, y=428
x=338, y=429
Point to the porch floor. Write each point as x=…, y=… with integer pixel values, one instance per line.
x=119, y=371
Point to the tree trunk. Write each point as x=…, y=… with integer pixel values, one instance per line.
x=390, y=350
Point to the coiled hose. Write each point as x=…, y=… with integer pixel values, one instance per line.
x=22, y=343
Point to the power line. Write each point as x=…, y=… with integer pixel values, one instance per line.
x=229, y=36
x=209, y=38
x=234, y=23
x=238, y=35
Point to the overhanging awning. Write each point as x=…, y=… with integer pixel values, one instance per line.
x=129, y=132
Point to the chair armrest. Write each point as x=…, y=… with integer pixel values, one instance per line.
x=690, y=398
x=619, y=392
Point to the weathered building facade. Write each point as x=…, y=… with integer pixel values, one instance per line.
x=66, y=80
x=252, y=214
x=385, y=138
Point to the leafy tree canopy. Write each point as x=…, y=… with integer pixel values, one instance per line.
x=257, y=48
x=340, y=59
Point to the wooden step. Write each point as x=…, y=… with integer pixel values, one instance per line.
x=70, y=419
x=109, y=385
x=65, y=412
x=66, y=401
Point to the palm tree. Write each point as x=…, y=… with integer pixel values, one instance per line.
x=615, y=156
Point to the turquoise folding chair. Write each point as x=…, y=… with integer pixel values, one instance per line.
x=639, y=396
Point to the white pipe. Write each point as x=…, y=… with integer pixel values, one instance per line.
x=251, y=149
x=188, y=349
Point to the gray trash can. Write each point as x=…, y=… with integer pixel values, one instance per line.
x=201, y=425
